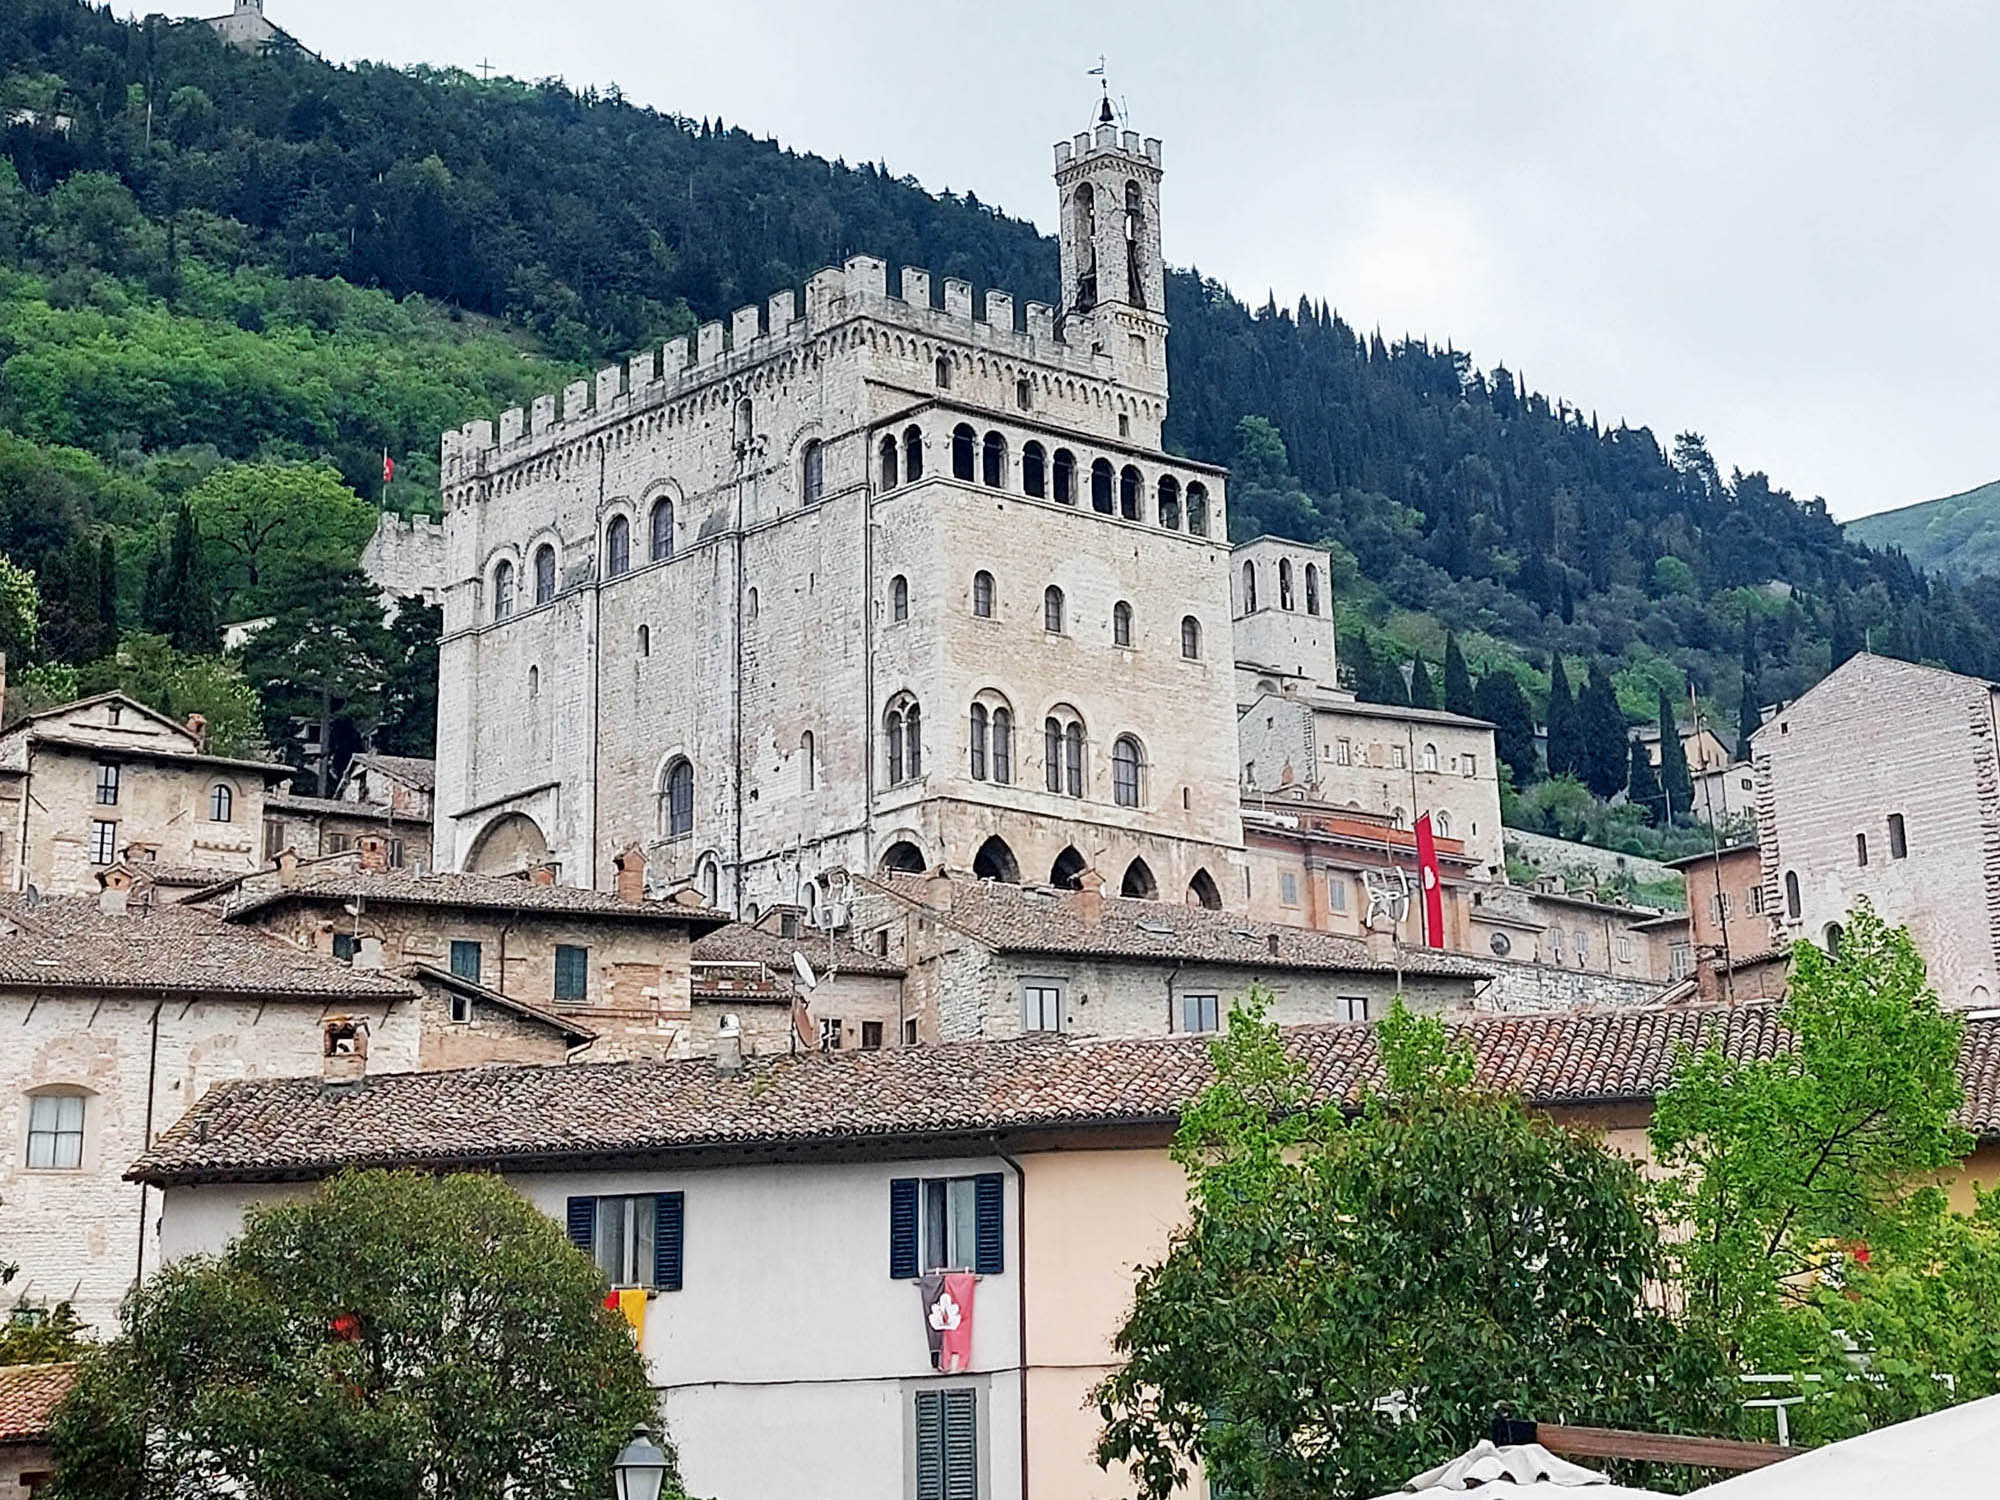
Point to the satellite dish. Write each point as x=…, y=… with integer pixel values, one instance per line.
x=807, y=979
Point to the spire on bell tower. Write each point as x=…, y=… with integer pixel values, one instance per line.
x=1113, y=277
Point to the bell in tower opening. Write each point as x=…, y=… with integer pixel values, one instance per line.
x=1113, y=277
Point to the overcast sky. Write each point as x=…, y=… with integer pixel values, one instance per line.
x=1773, y=223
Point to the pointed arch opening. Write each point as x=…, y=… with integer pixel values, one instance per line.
x=1139, y=883
x=1202, y=892
x=995, y=861
x=1066, y=874
x=903, y=858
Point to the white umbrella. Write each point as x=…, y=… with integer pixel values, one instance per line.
x=1524, y=1470
x=1944, y=1456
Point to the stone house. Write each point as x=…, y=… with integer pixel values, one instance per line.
x=1883, y=781
x=751, y=971
x=120, y=1011
x=29, y=1395
x=564, y=968
x=1736, y=954
x=985, y=960
x=388, y=795
x=1039, y=1164
x=1725, y=789
x=87, y=784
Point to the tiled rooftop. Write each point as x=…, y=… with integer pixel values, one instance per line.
x=1036, y=919
x=29, y=1395
x=740, y=942
x=540, y=1116
x=342, y=879
x=69, y=943
x=411, y=770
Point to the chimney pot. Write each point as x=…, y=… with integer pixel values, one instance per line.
x=197, y=725
x=542, y=875
x=114, y=891
x=630, y=883
x=937, y=890
x=344, y=1059
x=288, y=867
x=374, y=853
x=729, y=1045
x=1090, y=897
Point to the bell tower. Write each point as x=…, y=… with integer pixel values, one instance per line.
x=1113, y=279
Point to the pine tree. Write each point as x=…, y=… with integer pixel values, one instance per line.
x=1676, y=783
x=1561, y=722
x=1458, y=697
x=1601, y=754
x=1501, y=703
x=1749, y=717
x=1421, y=693
x=1642, y=784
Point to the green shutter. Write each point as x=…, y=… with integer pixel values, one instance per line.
x=930, y=1445
x=989, y=1220
x=465, y=959
x=572, y=972
x=961, y=1445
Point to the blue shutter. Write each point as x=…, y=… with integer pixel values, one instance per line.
x=903, y=1228
x=961, y=1445
x=669, y=1222
x=989, y=1254
x=930, y=1445
x=583, y=1223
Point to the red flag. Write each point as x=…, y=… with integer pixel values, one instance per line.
x=388, y=467
x=948, y=1319
x=1427, y=874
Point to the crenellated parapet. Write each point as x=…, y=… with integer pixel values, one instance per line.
x=724, y=351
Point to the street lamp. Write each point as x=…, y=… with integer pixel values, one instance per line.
x=640, y=1468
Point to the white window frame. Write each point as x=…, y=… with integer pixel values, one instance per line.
x=831, y=1030
x=57, y=1120
x=1036, y=993
x=1201, y=1013
x=947, y=1224
x=622, y=1237
x=1354, y=1007
x=103, y=841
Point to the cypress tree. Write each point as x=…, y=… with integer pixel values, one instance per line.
x=187, y=608
x=1389, y=684
x=1501, y=702
x=1458, y=698
x=1561, y=722
x=1846, y=642
x=1421, y=693
x=1748, y=717
x=107, y=587
x=1359, y=659
x=1602, y=760
x=1676, y=783
x=1642, y=784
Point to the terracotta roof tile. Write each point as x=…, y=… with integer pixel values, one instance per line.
x=342, y=879
x=739, y=942
x=412, y=770
x=291, y=1128
x=29, y=1395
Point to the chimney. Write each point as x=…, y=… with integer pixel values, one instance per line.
x=197, y=725
x=729, y=1045
x=374, y=853
x=937, y=890
x=1090, y=897
x=1382, y=944
x=630, y=882
x=344, y=1059
x=288, y=867
x=544, y=874
x=114, y=891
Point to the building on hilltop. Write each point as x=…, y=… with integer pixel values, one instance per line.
x=866, y=585
x=245, y=27
x=1883, y=781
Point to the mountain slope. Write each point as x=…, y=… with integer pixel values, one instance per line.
x=1958, y=535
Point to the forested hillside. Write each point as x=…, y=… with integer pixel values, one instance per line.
x=224, y=279
x=1958, y=536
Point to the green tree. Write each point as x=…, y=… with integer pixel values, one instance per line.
x=324, y=659
x=1352, y=1299
x=1422, y=695
x=1500, y=701
x=179, y=603
x=1749, y=715
x=1457, y=681
x=40, y=1335
x=396, y=1334
x=1772, y=1157
x=1564, y=756
x=1676, y=782
x=266, y=526
x=20, y=611
x=1642, y=785
x=409, y=691
x=1601, y=755
x=179, y=683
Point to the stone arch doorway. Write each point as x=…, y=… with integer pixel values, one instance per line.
x=1139, y=883
x=903, y=858
x=1066, y=874
x=511, y=843
x=1201, y=891
x=995, y=861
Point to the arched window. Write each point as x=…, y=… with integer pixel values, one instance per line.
x=751, y=603
x=1003, y=745
x=1125, y=762
x=904, y=728
x=1284, y=583
x=662, y=528
x=1052, y=610
x=1190, y=638
x=534, y=682
x=1024, y=394
x=55, y=1130
x=1168, y=493
x=903, y=858
x=1135, y=220
x=1312, y=588
x=1442, y=821
x=995, y=861
x=993, y=461
x=980, y=726
x=1197, y=510
x=1201, y=891
x=645, y=640
x=1793, y=906
x=1830, y=939
x=1062, y=752
x=812, y=475
x=1427, y=758
x=982, y=594
x=1249, y=587
x=545, y=573
x=617, y=547
x=808, y=769
x=709, y=878
x=963, y=445
x=943, y=372
x=899, y=599
x=1138, y=884
x=1066, y=874
x=913, y=454
x=887, y=461
x=745, y=424
x=677, y=799
x=1034, y=471
x=221, y=803
x=1100, y=486
x=1130, y=487
x=1065, y=477
x=1121, y=624
x=503, y=589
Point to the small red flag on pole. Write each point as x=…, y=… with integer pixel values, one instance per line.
x=1427, y=875
x=388, y=468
